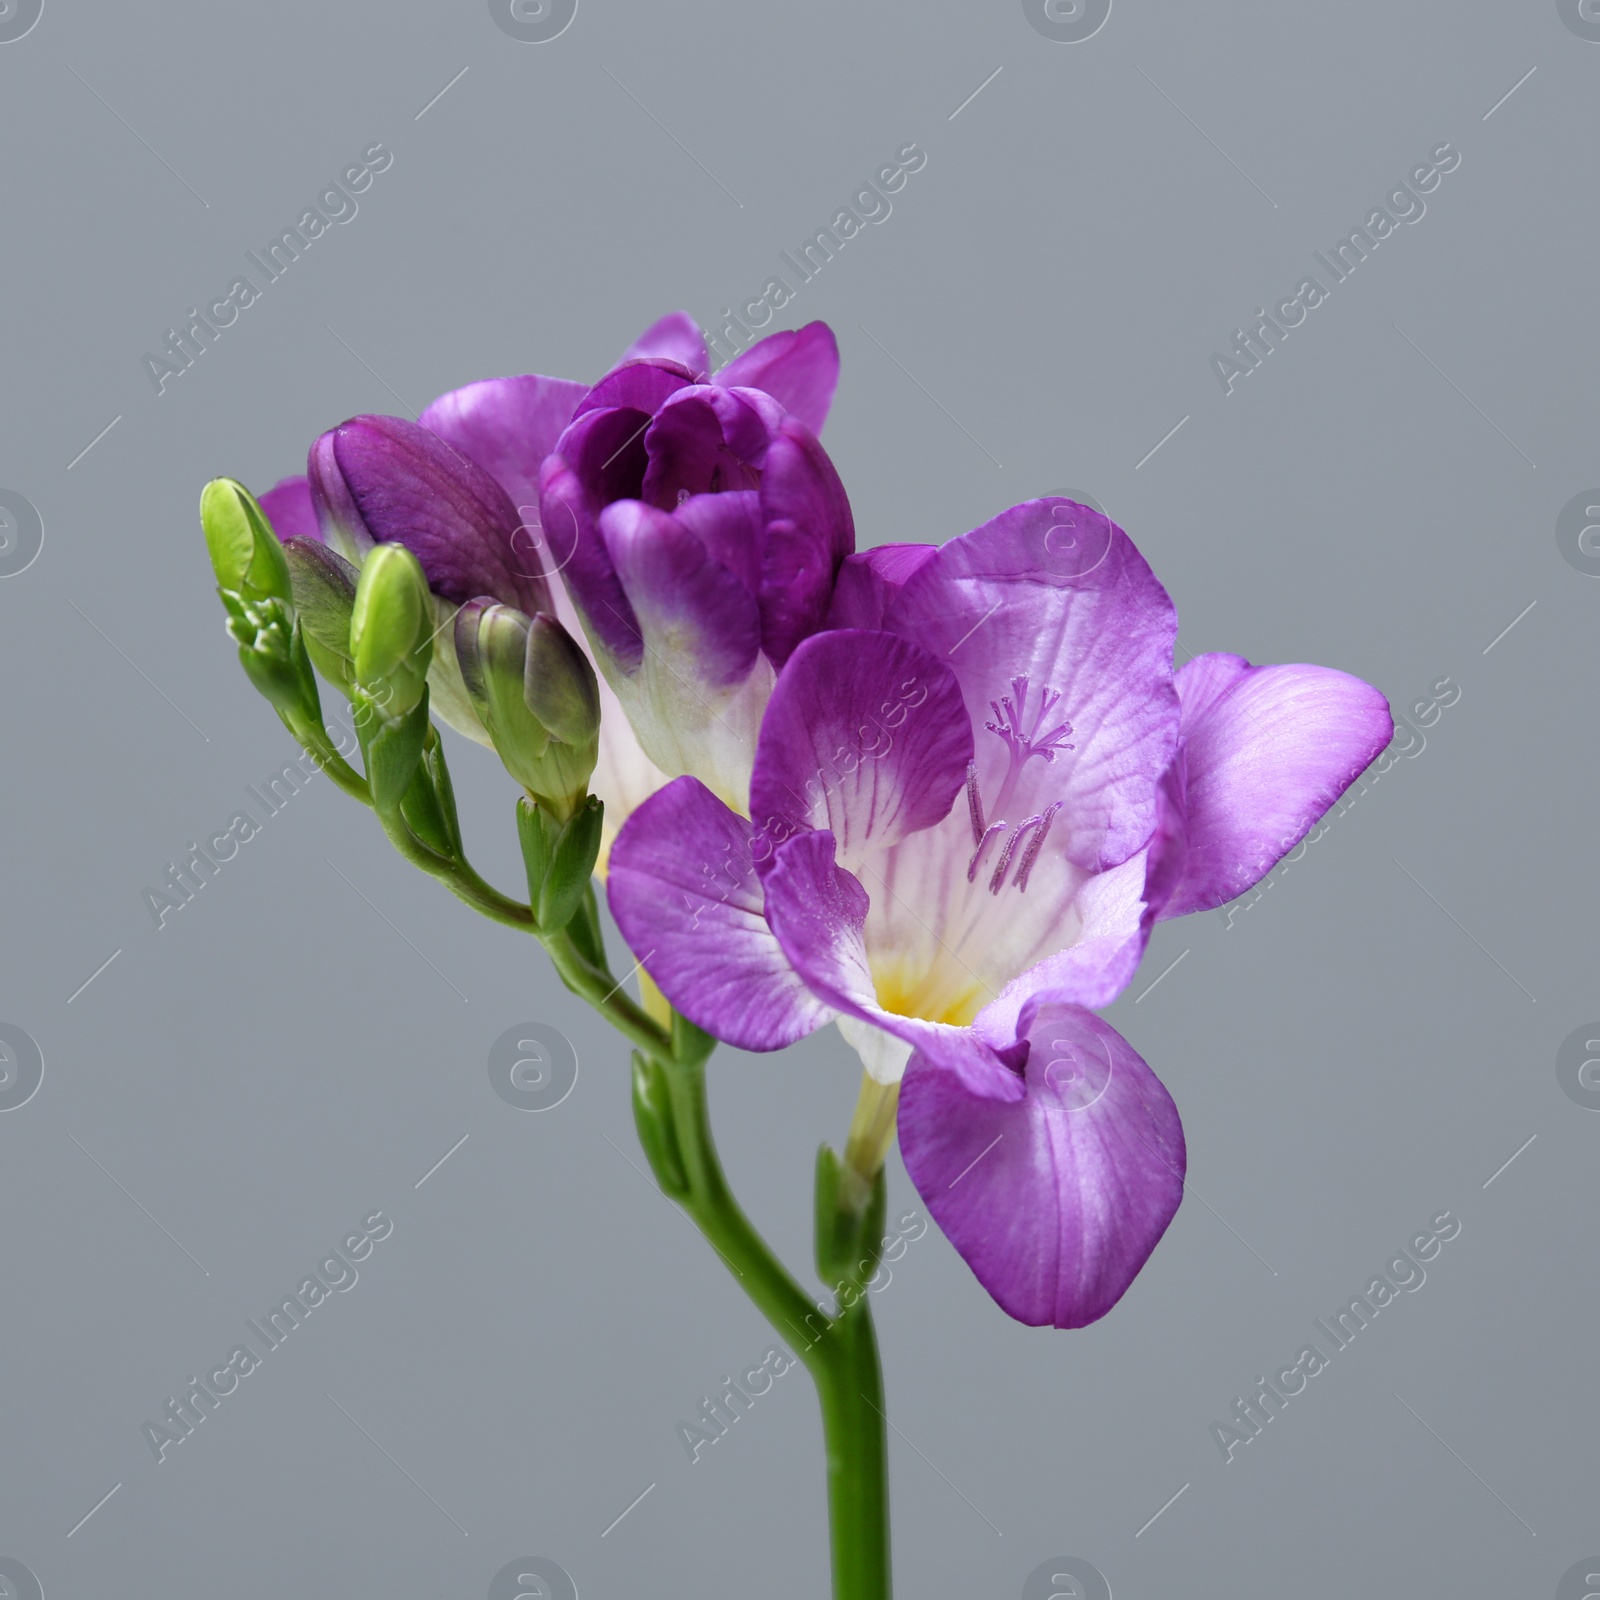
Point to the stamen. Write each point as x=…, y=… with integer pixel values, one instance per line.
x=1035, y=844
x=974, y=804
x=983, y=845
x=1004, y=864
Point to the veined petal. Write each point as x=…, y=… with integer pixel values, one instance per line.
x=1055, y=595
x=287, y=507
x=869, y=580
x=809, y=532
x=376, y=479
x=799, y=368
x=686, y=897
x=1267, y=751
x=1110, y=929
x=508, y=426
x=676, y=337
x=1056, y=1198
x=818, y=912
x=866, y=736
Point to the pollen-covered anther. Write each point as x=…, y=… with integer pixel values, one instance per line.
x=982, y=850
x=1035, y=845
x=974, y=805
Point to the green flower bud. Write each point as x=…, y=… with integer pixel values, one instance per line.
x=272, y=653
x=324, y=596
x=245, y=552
x=391, y=629
x=560, y=685
x=535, y=692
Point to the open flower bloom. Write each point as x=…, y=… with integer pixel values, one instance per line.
x=460, y=488
x=970, y=801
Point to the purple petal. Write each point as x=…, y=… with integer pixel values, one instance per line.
x=702, y=441
x=1267, y=751
x=1112, y=922
x=1053, y=594
x=692, y=611
x=676, y=337
x=865, y=735
x=566, y=509
x=1055, y=1199
x=288, y=508
x=508, y=426
x=869, y=580
x=809, y=532
x=798, y=368
x=729, y=526
x=818, y=912
x=375, y=479
x=687, y=899
x=637, y=386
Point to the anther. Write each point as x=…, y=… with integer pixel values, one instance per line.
x=974, y=804
x=983, y=845
x=1035, y=844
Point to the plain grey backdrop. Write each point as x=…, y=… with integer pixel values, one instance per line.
x=1365, y=1046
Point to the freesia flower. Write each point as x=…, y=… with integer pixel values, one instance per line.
x=971, y=799
x=703, y=528
x=460, y=488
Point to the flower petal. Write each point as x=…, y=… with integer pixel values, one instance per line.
x=694, y=614
x=870, y=579
x=376, y=479
x=1267, y=751
x=508, y=426
x=1053, y=592
x=687, y=899
x=702, y=441
x=866, y=736
x=1054, y=1199
x=566, y=508
x=636, y=386
x=676, y=337
x=799, y=368
x=696, y=696
x=818, y=912
x=288, y=508
x=809, y=532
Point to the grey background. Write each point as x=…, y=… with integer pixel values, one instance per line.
x=300, y=1045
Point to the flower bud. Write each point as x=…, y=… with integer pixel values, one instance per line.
x=391, y=629
x=245, y=552
x=534, y=690
x=324, y=595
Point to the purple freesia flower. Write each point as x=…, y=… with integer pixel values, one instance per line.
x=701, y=527
x=461, y=489
x=971, y=799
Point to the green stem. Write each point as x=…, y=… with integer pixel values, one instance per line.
x=455, y=875
x=850, y=1386
x=604, y=993
x=841, y=1356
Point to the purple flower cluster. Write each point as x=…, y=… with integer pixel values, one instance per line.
x=937, y=794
